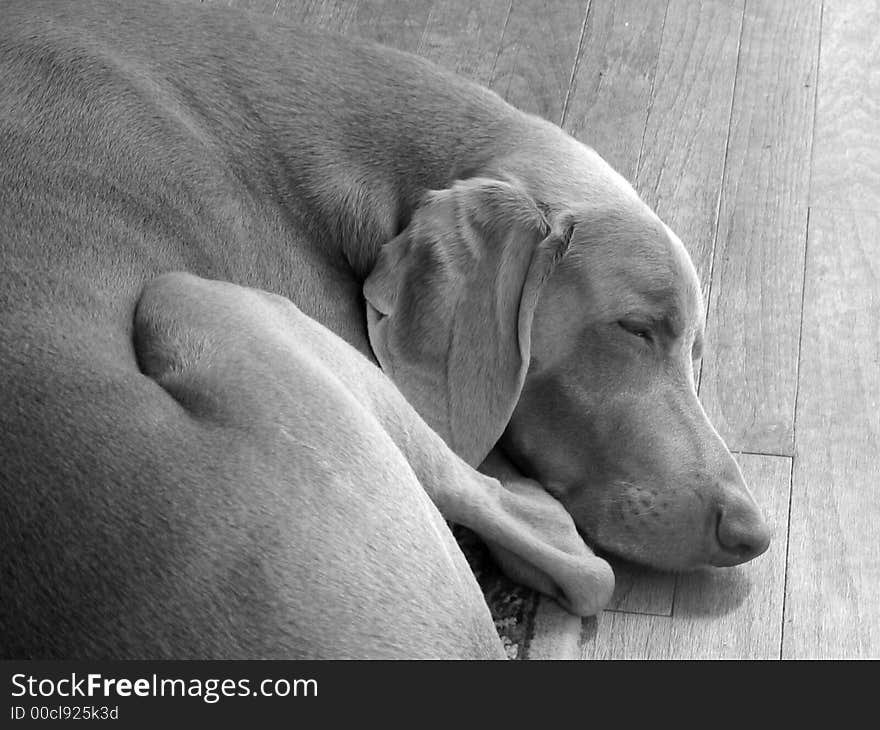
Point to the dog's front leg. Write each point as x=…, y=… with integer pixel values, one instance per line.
x=528, y=531
x=546, y=517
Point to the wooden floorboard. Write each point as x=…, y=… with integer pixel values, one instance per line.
x=466, y=37
x=397, y=23
x=611, y=88
x=749, y=373
x=682, y=153
x=846, y=155
x=338, y=15
x=833, y=594
x=540, y=48
x=335, y=15
x=641, y=590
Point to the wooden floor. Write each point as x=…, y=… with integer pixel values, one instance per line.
x=753, y=128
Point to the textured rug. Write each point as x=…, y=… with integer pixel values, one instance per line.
x=513, y=607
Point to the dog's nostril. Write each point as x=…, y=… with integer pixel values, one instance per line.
x=743, y=548
x=743, y=535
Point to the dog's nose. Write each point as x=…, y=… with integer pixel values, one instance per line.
x=741, y=532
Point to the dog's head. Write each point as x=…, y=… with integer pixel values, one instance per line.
x=608, y=418
x=572, y=339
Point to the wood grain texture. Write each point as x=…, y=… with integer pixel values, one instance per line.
x=682, y=156
x=846, y=152
x=397, y=23
x=628, y=636
x=466, y=37
x=336, y=15
x=265, y=7
x=541, y=44
x=719, y=613
x=833, y=593
x=749, y=374
x=640, y=590
x=611, y=89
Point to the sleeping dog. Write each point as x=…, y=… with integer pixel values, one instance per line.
x=183, y=473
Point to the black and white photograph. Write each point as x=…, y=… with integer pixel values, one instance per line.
x=371, y=329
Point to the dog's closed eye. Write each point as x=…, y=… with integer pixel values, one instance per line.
x=636, y=328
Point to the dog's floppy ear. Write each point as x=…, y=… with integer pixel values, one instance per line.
x=450, y=306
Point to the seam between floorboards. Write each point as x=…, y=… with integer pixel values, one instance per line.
x=576, y=64
x=858, y=209
x=797, y=382
x=352, y=16
x=762, y=453
x=420, y=46
x=722, y=189
x=651, y=96
x=637, y=613
x=787, y=547
x=797, y=395
x=500, y=50
x=815, y=106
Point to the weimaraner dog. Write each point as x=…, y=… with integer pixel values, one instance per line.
x=192, y=466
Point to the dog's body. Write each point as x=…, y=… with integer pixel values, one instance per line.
x=140, y=140
x=253, y=369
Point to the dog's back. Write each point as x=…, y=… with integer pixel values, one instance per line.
x=136, y=140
